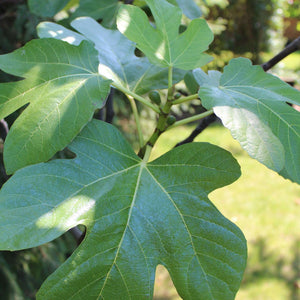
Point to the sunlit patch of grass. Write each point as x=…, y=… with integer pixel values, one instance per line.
x=291, y=62
x=266, y=208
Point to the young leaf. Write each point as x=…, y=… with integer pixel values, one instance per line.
x=63, y=87
x=116, y=55
x=253, y=105
x=163, y=45
x=47, y=8
x=137, y=215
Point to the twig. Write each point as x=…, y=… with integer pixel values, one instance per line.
x=201, y=126
x=109, y=115
x=137, y=120
x=135, y=96
x=107, y=112
x=3, y=133
x=192, y=119
x=3, y=129
x=77, y=234
x=290, y=48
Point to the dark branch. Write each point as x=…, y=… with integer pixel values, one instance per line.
x=3, y=129
x=3, y=133
x=77, y=234
x=290, y=48
x=107, y=112
x=110, y=113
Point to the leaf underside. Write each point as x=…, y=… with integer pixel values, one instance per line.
x=253, y=105
x=63, y=89
x=137, y=216
x=116, y=55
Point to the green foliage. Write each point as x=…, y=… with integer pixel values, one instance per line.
x=252, y=104
x=116, y=55
x=137, y=213
x=63, y=81
x=104, y=9
x=23, y=272
x=292, y=10
x=257, y=200
x=248, y=26
x=115, y=195
x=163, y=46
x=17, y=26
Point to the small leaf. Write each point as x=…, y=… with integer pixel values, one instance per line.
x=116, y=55
x=163, y=45
x=63, y=88
x=46, y=8
x=137, y=215
x=253, y=105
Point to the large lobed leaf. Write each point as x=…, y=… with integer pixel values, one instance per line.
x=137, y=215
x=116, y=55
x=163, y=45
x=63, y=87
x=253, y=105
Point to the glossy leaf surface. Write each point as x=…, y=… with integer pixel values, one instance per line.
x=163, y=45
x=137, y=215
x=253, y=105
x=63, y=87
x=116, y=55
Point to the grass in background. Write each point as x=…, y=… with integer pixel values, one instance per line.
x=291, y=62
x=266, y=207
x=287, y=69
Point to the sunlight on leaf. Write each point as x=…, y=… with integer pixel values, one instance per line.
x=116, y=55
x=163, y=45
x=63, y=89
x=253, y=105
x=137, y=215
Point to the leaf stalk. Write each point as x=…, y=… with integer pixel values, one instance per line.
x=135, y=96
x=163, y=115
x=191, y=119
x=185, y=99
x=137, y=120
